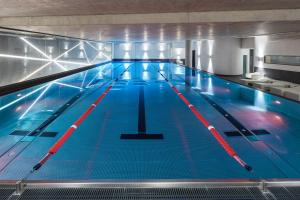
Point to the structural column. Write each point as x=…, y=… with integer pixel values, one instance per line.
x=188, y=60
x=188, y=53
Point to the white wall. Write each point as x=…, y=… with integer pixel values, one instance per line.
x=178, y=50
x=142, y=51
x=265, y=46
x=248, y=43
x=221, y=55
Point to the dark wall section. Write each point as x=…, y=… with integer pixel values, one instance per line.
x=283, y=75
x=148, y=60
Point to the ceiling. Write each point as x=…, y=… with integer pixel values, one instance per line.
x=13, y=8
x=171, y=32
x=16, y=9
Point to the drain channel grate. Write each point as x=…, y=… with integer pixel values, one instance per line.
x=283, y=193
x=5, y=193
x=238, y=193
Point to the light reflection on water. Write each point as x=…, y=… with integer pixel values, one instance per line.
x=145, y=66
x=259, y=100
x=161, y=66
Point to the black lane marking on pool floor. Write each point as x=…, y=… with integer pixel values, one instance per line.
x=10, y=154
x=242, y=130
x=49, y=134
x=142, y=131
x=26, y=132
x=237, y=133
x=20, y=132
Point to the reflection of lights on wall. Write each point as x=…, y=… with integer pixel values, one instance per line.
x=199, y=62
x=126, y=55
x=100, y=47
x=210, y=66
x=145, y=36
x=81, y=46
x=161, y=47
x=35, y=71
x=199, y=43
x=47, y=57
x=81, y=54
x=100, y=54
x=210, y=47
x=145, y=55
x=260, y=64
x=126, y=34
x=178, y=34
x=161, y=55
x=161, y=36
x=127, y=46
x=66, y=46
x=178, y=52
x=145, y=46
x=199, y=48
x=260, y=47
x=50, y=49
x=66, y=54
x=126, y=37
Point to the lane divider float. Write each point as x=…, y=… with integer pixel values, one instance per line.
x=74, y=126
x=226, y=146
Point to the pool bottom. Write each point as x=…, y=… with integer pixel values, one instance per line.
x=97, y=152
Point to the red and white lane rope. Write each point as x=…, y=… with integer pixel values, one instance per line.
x=230, y=151
x=73, y=127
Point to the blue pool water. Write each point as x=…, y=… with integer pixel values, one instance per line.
x=187, y=150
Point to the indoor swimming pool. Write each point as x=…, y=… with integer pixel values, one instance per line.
x=147, y=121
